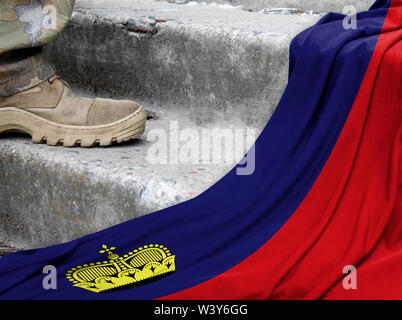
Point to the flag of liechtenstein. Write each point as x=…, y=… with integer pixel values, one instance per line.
x=325, y=198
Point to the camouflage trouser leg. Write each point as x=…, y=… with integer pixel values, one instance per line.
x=26, y=26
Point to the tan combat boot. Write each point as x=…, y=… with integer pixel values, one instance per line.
x=51, y=112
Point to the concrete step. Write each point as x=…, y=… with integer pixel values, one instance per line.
x=196, y=67
x=50, y=195
x=319, y=6
x=205, y=57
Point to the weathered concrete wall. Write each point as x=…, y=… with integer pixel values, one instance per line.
x=44, y=203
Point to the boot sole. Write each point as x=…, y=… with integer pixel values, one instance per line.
x=42, y=130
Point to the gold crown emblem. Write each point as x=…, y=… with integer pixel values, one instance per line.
x=145, y=263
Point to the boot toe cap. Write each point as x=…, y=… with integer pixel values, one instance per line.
x=105, y=111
